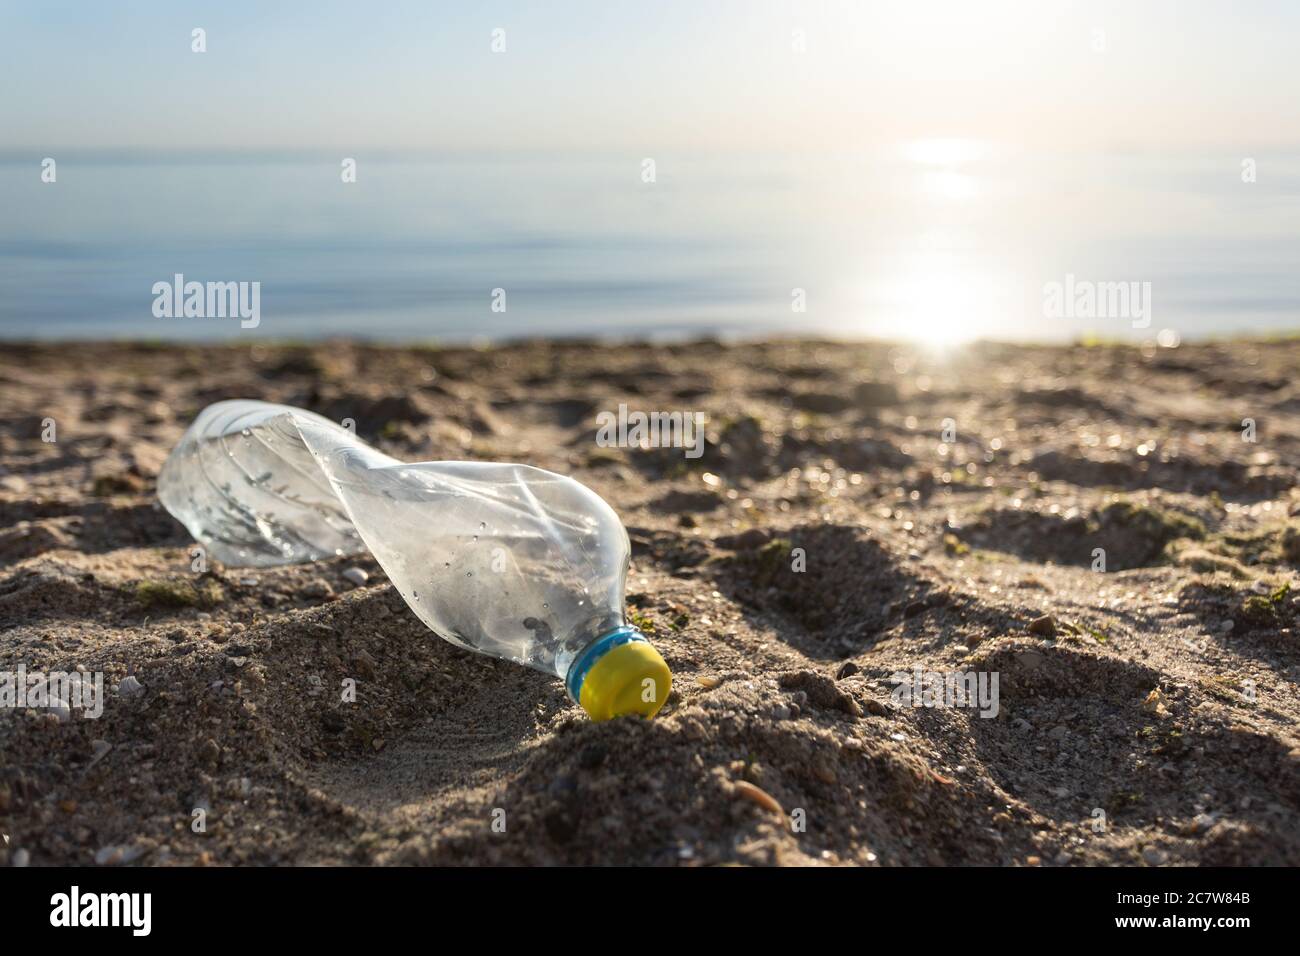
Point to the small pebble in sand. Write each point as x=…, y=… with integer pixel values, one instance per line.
x=130, y=687
x=356, y=576
x=364, y=664
x=1045, y=625
x=117, y=855
x=1154, y=856
x=98, y=749
x=708, y=682
x=62, y=713
x=826, y=773
x=210, y=752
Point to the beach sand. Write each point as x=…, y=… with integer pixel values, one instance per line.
x=827, y=539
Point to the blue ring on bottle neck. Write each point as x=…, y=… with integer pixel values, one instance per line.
x=627, y=634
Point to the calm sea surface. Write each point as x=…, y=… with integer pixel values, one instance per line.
x=939, y=242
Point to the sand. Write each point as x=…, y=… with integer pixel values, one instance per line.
x=859, y=512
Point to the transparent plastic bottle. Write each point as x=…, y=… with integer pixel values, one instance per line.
x=507, y=560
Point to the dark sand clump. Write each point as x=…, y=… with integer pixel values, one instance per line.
x=827, y=539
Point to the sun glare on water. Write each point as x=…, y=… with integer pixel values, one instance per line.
x=942, y=294
x=942, y=308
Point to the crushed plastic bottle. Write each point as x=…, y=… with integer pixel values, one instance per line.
x=506, y=560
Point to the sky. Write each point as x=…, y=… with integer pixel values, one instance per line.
x=700, y=75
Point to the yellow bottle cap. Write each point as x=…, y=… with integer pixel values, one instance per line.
x=627, y=679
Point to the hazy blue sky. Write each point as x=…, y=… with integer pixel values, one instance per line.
x=663, y=75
